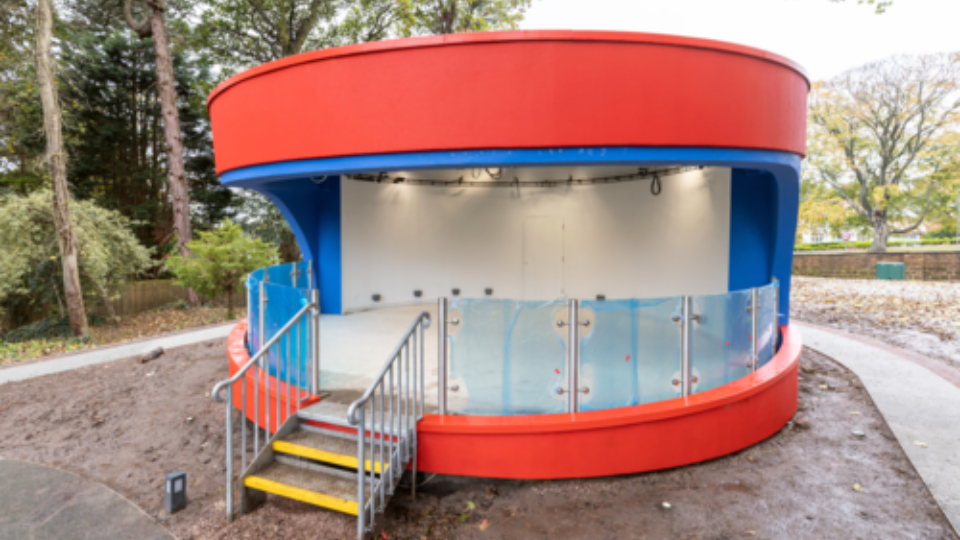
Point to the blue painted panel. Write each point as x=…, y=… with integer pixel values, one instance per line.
x=313, y=212
x=753, y=229
x=252, y=176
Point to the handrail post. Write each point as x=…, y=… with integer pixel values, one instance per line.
x=685, y=339
x=754, y=328
x=573, y=356
x=294, y=272
x=442, y=352
x=261, y=322
x=776, y=315
x=361, y=477
x=310, y=275
x=315, y=364
x=229, y=408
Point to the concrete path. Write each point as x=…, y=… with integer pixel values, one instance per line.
x=42, y=503
x=921, y=407
x=19, y=372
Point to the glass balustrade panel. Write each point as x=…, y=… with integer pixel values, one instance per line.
x=283, y=303
x=506, y=357
x=720, y=345
x=629, y=353
x=768, y=323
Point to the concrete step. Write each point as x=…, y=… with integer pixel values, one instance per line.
x=330, y=447
x=309, y=485
x=335, y=414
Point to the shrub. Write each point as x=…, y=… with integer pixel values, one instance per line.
x=221, y=259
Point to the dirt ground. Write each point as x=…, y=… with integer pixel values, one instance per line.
x=125, y=424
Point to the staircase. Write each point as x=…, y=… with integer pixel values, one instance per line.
x=316, y=454
x=313, y=458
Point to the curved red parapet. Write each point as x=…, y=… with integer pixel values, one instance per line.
x=510, y=90
x=238, y=356
x=618, y=441
x=598, y=443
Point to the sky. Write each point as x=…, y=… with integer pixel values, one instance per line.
x=825, y=38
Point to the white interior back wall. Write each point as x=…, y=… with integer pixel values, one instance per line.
x=536, y=243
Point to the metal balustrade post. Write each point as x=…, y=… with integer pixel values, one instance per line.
x=573, y=356
x=229, y=409
x=754, y=328
x=361, y=501
x=262, y=341
x=686, y=314
x=776, y=315
x=315, y=379
x=293, y=275
x=261, y=322
x=442, y=347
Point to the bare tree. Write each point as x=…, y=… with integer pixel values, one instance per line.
x=57, y=161
x=879, y=135
x=154, y=25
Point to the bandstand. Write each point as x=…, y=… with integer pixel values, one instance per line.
x=586, y=238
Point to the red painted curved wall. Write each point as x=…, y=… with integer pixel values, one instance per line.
x=603, y=443
x=507, y=90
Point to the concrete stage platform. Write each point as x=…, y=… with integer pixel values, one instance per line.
x=355, y=346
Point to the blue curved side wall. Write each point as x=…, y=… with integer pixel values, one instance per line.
x=764, y=200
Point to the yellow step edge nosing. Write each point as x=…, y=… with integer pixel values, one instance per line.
x=342, y=460
x=303, y=495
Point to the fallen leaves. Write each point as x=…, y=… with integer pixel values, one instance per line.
x=150, y=323
x=925, y=306
x=857, y=488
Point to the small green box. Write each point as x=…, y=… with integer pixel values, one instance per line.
x=891, y=270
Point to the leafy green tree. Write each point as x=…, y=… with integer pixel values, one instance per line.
x=260, y=219
x=109, y=254
x=116, y=137
x=422, y=17
x=880, y=6
x=221, y=259
x=882, y=138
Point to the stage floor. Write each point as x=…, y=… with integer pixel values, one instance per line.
x=355, y=346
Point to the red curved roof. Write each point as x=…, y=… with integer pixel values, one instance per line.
x=526, y=89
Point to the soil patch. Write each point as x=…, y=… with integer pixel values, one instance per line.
x=125, y=424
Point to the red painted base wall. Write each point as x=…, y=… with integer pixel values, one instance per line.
x=616, y=441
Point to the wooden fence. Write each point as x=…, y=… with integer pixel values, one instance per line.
x=135, y=297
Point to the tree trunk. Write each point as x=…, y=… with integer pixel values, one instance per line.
x=289, y=249
x=229, y=303
x=57, y=161
x=176, y=177
x=881, y=231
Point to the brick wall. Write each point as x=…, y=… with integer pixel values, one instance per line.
x=929, y=266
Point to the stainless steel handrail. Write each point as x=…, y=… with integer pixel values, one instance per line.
x=392, y=443
x=351, y=412
x=255, y=358
x=288, y=357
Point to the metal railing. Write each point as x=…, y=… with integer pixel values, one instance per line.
x=283, y=350
x=388, y=441
x=685, y=318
